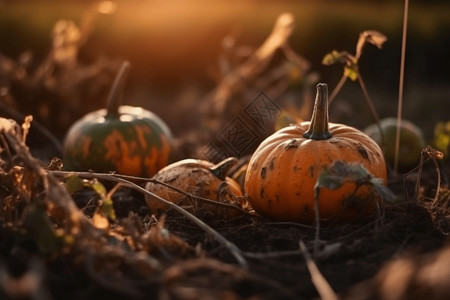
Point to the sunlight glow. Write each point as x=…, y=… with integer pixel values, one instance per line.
x=107, y=7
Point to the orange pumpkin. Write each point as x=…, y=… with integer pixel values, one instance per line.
x=199, y=178
x=283, y=170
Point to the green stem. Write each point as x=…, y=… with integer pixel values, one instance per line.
x=318, y=129
x=116, y=91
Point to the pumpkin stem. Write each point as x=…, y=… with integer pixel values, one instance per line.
x=318, y=128
x=116, y=91
x=221, y=169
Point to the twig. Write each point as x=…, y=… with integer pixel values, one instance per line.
x=433, y=155
x=400, y=85
x=337, y=89
x=18, y=117
x=206, y=200
x=322, y=286
x=272, y=254
x=184, y=193
x=371, y=106
x=235, y=251
x=317, y=216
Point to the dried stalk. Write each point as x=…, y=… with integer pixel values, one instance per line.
x=235, y=251
x=401, y=84
x=323, y=287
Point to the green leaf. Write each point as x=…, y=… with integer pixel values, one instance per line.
x=74, y=184
x=107, y=208
x=40, y=228
x=106, y=203
x=351, y=71
x=98, y=187
x=337, y=57
x=442, y=137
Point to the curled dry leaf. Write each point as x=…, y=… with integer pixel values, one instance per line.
x=374, y=37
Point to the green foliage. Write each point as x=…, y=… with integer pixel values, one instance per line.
x=40, y=229
x=350, y=61
x=442, y=137
x=106, y=208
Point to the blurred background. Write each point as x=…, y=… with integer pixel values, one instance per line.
x=58, y=57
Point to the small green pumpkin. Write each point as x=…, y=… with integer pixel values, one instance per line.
x=412, y=141
x=124, y=139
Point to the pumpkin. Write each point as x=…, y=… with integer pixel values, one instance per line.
x=284, y=169
x=121, y=138
x=199, y=178
x=412, y=141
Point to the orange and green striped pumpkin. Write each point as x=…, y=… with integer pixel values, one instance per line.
x=124, y=139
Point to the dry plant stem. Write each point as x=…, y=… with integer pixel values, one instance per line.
x=206, y=200
x=321, y=284
x=429, y=152
x=317, y=215
x=36, y=125
x=419, y=174
x=372, y=108
x=235, y=251
x=253, y=66
x=337, y=89
x=438, y=187
x=191, y=196
x=74, y=219
x=400, y=85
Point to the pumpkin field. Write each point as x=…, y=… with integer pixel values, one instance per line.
x=206, y=149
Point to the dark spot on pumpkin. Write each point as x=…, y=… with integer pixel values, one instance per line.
x=292, y=144
x=311, y=171
x=263, y=173
x=261, y=193
x=295, y=168
x=277, y=197
x=306, y=211
x=363, y=151
x=271, y=165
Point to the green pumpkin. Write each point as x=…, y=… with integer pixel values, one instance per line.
x=124, y=139
x=412, y=141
